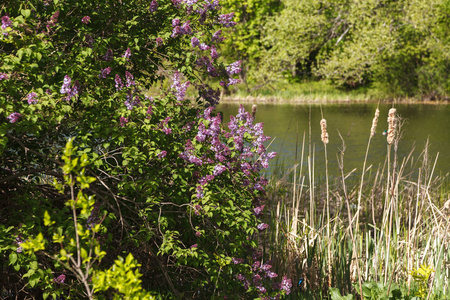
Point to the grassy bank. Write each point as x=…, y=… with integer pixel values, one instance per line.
x=385, y=235
x=312, y=91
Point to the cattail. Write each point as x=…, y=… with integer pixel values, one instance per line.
x=392, y=121
x=254, y=106
x=323, y=125
x=374, y=122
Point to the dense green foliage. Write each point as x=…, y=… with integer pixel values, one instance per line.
x=105, y=190
x=400, y=48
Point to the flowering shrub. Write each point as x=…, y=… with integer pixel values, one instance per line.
x=157, y=179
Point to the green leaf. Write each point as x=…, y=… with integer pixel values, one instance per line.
x=26, y=13
x=12, y=258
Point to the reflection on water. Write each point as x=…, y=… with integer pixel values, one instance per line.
x=353, y=122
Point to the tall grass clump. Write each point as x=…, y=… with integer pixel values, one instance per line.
x=384, y=233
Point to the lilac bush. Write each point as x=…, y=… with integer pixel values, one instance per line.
x=161, y=179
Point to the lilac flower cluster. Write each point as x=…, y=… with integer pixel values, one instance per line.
x=226, y=20
x=234, y=68
x=188, y=154
x=119, y=84
x=180, y=30
x=261, y=275
x=105, y=72
x=123, y=121
x=204, y=61
x=178, y=88
x=164, y=126
x=190, y=2
x=216, y=36
x=86, y=20
x=130, y=103
x=162, y=154
x=153, y=6
x=194, y=42
x=127, y=53
x=159, y=41
x=108, y=55
x=18, y=243
x=14, y=117
x=6, y=22
x=53, y=20
x=4, y=76
x=32, y=98
x=129, y=78
x=70, y=91
x=60, y=279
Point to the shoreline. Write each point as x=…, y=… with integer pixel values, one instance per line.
x=301, y=101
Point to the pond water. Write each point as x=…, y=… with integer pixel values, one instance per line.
x=287, y=123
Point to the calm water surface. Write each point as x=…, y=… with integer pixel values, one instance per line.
x=422, y=122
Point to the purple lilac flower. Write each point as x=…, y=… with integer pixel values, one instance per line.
x=162, y=154
x=73, y=91
x=240, y=277
x=200, y=193
x=86, y=20
x=178, y=89
x=232, y=81
x=159, y=41
x=60, y=279
x=203, y=46
x=271, y=274
x=105, y=72
x=266, y=267
x=234, y=68
x=32, y=98
x=237, y=261
x=186, y=28
x=219, y=169
x=226, y=20
x=53, y=19
x=286, y=285
x=18, y=242
x=256, y=265
x=109, y=55
x=119, y=84
x=262, y=226
x=129, y=79
x=127, y=53
x=153, y=6
x=195, y=42
x=4, y=76
x=258, y=210
x=214, y=53
x=198, y=233
x=89, y=40
x=150, y=110
x=216, y=36
x=190, y=2
x=164, y=124
x=65, y=87
x=93, y=218
x=123, y=121
x=261, y=289
x=6, y=22
x=130, y=103
x=175, y=22
x=193, y=246
x=271, y=155
x=211, y=4
x=48, y=91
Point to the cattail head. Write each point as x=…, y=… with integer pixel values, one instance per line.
x=374, y=122
x=392, y=121
x=323, y=126
x=254, y=106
